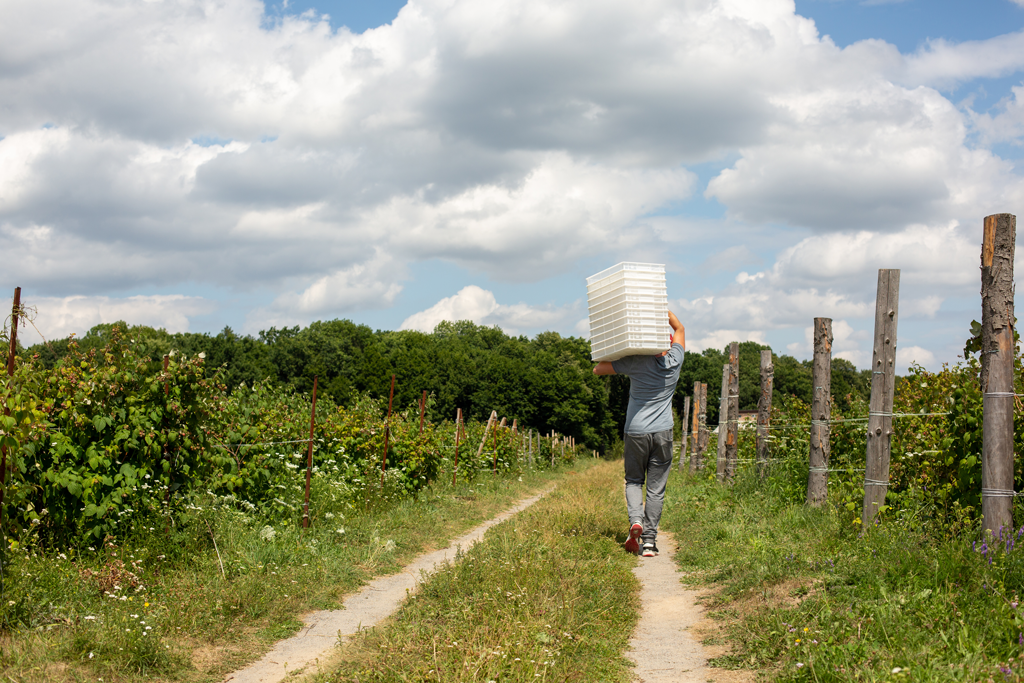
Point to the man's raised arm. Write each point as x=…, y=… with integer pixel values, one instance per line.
x=604, y=368
x=678, y=331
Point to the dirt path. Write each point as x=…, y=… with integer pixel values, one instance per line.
x=376, y=601
x=666, y=645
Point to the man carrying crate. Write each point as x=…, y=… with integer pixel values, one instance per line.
x=648, y=434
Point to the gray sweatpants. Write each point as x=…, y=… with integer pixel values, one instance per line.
x=648, y=459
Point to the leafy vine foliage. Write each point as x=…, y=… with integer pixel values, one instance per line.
x=122, y=429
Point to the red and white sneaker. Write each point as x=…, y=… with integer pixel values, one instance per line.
x=632, y=543
x=650, y=549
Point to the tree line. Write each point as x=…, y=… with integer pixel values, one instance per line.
x=545, y=381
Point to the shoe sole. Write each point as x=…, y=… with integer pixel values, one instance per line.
x=632, y=543
x=650, y=553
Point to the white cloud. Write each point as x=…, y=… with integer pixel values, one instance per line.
x=56, y=318
x=480, y=306
x=162, y=144
x=914, y=354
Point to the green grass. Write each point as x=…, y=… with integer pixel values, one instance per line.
x=548, y=595
x=807, y=598
x=168, y=605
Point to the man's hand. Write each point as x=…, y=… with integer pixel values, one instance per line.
x=679, y=332
x=604, y=368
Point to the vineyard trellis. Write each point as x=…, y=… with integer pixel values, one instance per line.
x=993, y=340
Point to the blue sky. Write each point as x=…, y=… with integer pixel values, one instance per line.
x=193, y=165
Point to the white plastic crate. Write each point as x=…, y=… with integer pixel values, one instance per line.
x=628, y=306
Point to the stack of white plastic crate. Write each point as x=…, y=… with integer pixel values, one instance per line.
x=628, y=311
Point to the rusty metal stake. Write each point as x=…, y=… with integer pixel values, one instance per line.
x=309, y=457
x=387, y=435
x=7, y=409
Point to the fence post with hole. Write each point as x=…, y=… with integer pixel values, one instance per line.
x=702, y=427
x=764, y=411
x=821, y=412
x=883, y=384
x=997, y=351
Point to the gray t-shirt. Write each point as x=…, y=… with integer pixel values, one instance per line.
x=652, y=382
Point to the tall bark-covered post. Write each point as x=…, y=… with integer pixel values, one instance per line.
x=883, y=385
x=997, y=350
x=684, y=437
x=723, y=422
x=694, y=428
x=702, y=426
x=733, y=425
x=821, y=412
x=764, y=411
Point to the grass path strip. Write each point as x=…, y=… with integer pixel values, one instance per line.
x=548, y=595
x=376, y=601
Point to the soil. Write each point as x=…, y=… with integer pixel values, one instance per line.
x=666, y=645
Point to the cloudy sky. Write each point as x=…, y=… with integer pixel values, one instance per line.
x=193, y=164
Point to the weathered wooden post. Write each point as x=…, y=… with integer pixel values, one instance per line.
x=684, y=437
x=723, y=421
x=423, y=409
x=458, y=432
x=495, y=444
x=702, y=426
x=764, y=411
x=309, y=457
x=487, y=429
x=997, y=351
x=694, y=432
x=883, y=385
x=531, y=447
x=821, y=412
x=733, y=425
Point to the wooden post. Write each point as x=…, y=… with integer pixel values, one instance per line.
x=551, y=443
x=703, y=436
x=309, y=457
x=764, y=411
x=883, y=385
x=821, y=412
x=495, y=444
x=997, y=351
x=423, y=409
x=695, y=428
x=12, y=350
x=516, y=437
x=530, y=457
x=684, y=437
x=723, y=421
x=387, y=434
x=733, y=425
x=483, y=441
x=458, y=430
